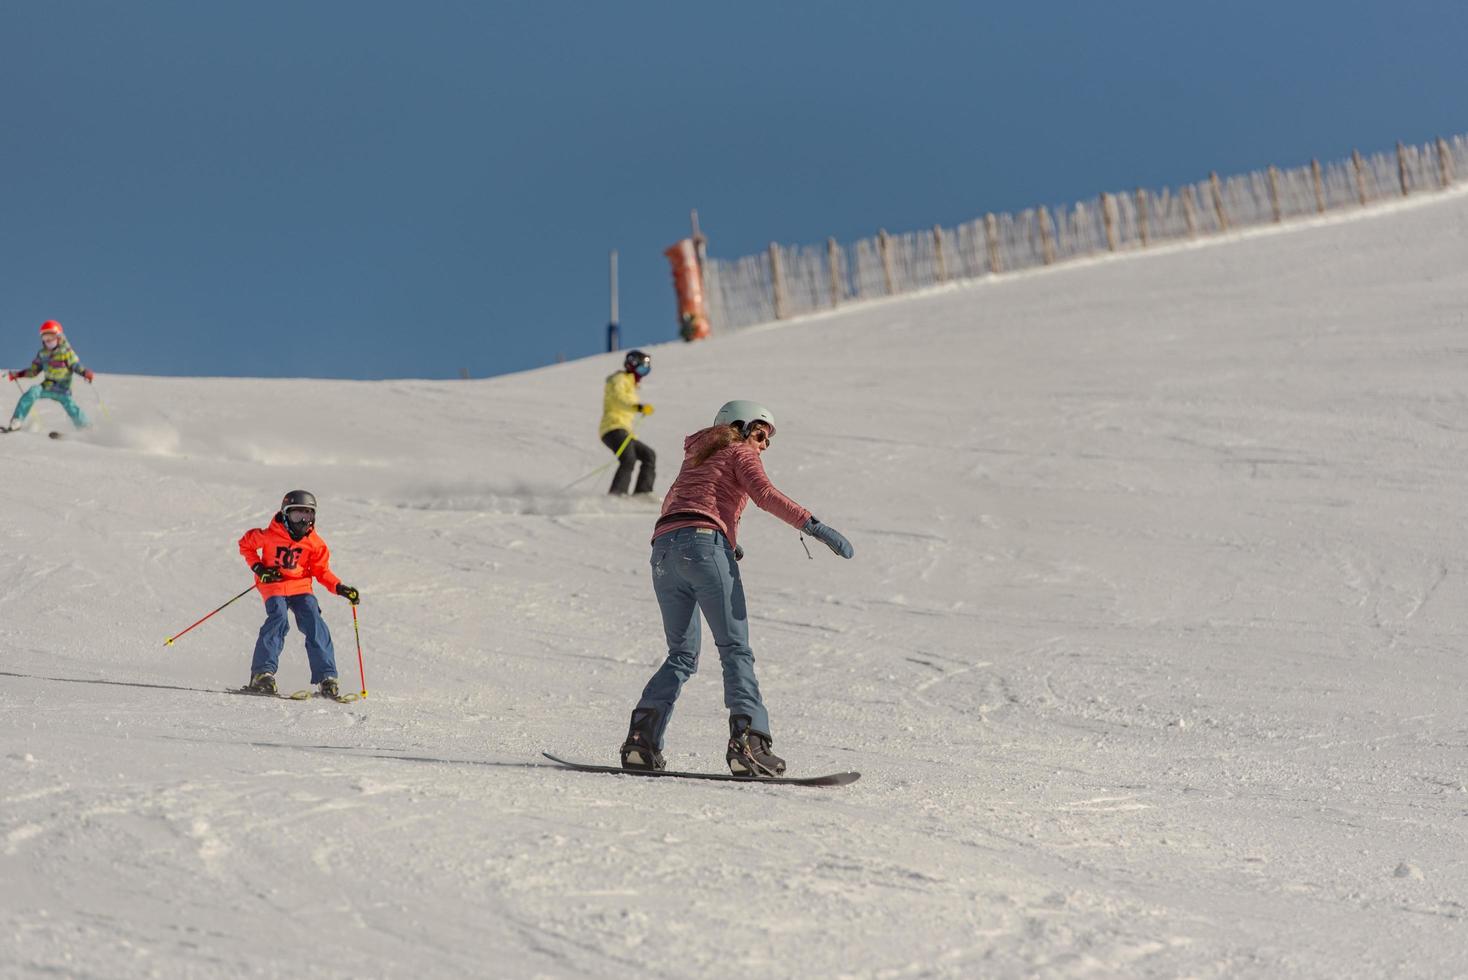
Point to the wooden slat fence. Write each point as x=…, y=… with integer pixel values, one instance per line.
x=786, y=281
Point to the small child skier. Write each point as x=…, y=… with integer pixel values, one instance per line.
x=285, y=557
x=620, y=408
x=58, y=362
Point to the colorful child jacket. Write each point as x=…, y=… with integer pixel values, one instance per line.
x=619, y=402
x=58, y=364
x=298, y=561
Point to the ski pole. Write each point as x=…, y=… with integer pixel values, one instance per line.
x=358, y=630
x=101, y=404
x=169, y=642
x=605, y=466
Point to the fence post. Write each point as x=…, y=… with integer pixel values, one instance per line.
x=1144, y=218
x=1218, y=201
x=777, y=281
x=1190, y=211
x=833, y=259
x=938, y=249
x=1360, y=176
x=1444, y=163
x=991, y=233
x=1274, y=192
x=1319, y=186
x=1047, y=246
x=1108, y=221
x=700, y=250
x=1402, y=167
x=884, y=246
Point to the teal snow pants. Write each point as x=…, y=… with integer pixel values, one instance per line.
x=23, y=407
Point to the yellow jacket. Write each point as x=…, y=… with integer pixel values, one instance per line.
x=619, y=403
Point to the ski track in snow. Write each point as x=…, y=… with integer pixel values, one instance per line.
x=1150, y=655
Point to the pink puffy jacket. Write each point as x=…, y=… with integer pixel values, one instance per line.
x=714, y=493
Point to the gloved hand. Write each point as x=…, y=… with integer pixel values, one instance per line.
x=348, y=593
x=738, y=552
x=265, y=573
x=828, y=536
x=645, y=409
x=12, y=375
x=89, y=374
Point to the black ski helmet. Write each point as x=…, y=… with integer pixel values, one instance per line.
x=638, y=362
x=298, y=500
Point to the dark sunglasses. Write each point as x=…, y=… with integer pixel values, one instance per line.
x=761, y=436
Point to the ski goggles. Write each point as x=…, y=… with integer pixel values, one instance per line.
x=642, y=370
x=300, y=515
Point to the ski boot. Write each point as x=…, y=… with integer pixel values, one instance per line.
x=638, y=751
x=749, y=751
x=329, y=688
x=262, y=684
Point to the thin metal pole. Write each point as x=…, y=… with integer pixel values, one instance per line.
x=613, y=331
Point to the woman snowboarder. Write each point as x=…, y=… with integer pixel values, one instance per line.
x=694, y=555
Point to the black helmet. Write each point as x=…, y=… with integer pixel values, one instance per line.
x=298, y=513
x=638, y=362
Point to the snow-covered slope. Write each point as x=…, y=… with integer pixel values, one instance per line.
x=1151, y=655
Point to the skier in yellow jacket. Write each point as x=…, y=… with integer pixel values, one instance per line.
x=620, y=408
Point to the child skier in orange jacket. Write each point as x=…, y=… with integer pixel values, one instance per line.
x=285, y=557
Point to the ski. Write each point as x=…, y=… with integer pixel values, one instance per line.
x=53, y=435
x=832, y=779
x=250, y=691
x=304, y=695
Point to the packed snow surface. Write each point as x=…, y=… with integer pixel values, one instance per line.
x=1151, y=655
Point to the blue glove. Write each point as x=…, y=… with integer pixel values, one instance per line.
x=828, y=536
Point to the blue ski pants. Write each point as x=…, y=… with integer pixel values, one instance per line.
x=23, y=407
x=693, y=571
x=308, y=620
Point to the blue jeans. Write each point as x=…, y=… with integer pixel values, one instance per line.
x=23, y=407
x=308, y=621
x=693, y=570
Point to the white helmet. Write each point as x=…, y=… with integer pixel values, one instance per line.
x=741, y=413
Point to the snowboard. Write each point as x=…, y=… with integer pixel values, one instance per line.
x=831, y=779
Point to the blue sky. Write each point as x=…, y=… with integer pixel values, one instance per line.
x=374, y=189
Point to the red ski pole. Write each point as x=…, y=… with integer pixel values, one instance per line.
x=358, y=630
x=169, y=642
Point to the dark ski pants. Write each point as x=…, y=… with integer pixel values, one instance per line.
x=693, y=571
x=308, y=621
x=636, y=452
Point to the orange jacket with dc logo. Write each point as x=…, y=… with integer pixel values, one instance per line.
x=298, y=561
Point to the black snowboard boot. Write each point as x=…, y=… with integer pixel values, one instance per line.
x=749, y=751
x=638, y=751
x=262, y=684
x=329, y=688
